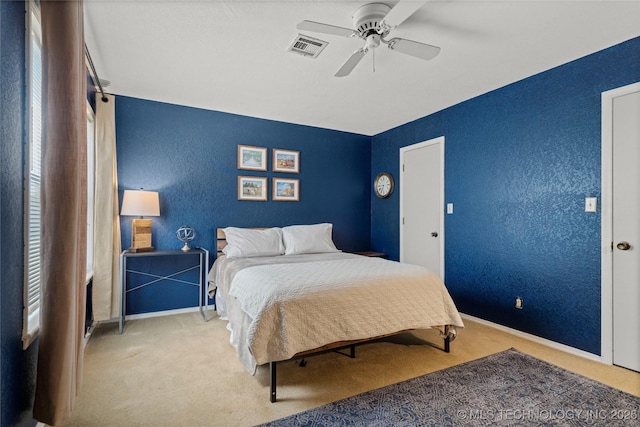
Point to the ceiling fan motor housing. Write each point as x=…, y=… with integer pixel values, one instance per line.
x=367, y=19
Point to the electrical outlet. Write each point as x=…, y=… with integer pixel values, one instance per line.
x=519, y=303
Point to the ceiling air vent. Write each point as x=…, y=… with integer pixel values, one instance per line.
x=307, y=46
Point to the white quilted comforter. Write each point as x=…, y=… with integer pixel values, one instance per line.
x=280, y=306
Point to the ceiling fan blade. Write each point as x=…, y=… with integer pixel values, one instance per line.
x=325, y=28
x=351, y=63
x=413, y=48
x=401, y=11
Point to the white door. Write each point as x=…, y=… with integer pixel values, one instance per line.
x=626, y=231
x=421, y=205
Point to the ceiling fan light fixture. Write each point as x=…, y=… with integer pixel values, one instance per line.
x=373, y=41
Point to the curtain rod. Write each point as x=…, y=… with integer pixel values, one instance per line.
x=93, y=69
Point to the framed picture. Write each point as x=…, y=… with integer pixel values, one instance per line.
x=252, y=158
x=252, y=188
x=286, y=161
x=287, y=190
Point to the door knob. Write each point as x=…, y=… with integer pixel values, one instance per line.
x=623, y=246
x=434, y=234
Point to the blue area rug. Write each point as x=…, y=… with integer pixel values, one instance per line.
x=504, y=389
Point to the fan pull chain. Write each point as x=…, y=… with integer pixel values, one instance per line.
x=373, y=62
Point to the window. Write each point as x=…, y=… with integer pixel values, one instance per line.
x=31, y=317
x=91, y=137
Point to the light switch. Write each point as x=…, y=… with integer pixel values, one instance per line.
x=449, y=208
x=591, y=204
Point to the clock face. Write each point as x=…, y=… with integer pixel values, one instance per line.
x=383, y=185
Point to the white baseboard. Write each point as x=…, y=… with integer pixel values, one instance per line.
x=537, y=339
x=161, y=313
x=155, y=314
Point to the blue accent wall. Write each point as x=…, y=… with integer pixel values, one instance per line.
x=519, y=162
x=189, y=156
x=17, y=366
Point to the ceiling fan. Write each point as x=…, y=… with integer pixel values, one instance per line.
x=373, y=22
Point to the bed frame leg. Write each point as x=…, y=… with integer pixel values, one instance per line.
x=447, y=342
x=272, y=380
x=352, y=353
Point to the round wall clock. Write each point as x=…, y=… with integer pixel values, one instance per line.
x=383, y=185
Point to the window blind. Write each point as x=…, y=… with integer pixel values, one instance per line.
x=33, y=234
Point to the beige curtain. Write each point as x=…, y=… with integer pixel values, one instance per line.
x=107, y=246
x=64, y=212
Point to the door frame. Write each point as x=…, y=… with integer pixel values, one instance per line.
x=439, y=140
x=606, y=220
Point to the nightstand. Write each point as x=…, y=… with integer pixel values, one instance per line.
x=372, y=254
x=201, y=264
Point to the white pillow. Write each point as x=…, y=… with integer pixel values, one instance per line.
x=308, y=239
x=245, y=242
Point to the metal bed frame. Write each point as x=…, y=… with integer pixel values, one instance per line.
x=273, y=366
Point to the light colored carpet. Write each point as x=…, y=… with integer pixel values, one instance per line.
x=180, y=371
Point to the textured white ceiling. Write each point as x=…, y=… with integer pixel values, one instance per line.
x=231, y=56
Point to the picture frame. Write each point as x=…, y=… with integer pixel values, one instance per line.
x=252, y=188
x=286, y=190
x=252, y=158
x=286, y=161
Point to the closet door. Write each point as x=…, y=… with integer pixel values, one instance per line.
x=626, y=231
x=421, y=205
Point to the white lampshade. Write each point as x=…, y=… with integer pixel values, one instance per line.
x=140, y=203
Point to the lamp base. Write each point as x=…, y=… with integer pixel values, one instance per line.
x=135, y=250
x=141, y=235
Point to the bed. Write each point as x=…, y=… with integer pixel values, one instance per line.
x=289, y=292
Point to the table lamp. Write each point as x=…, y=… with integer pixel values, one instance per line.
x=140, y=203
